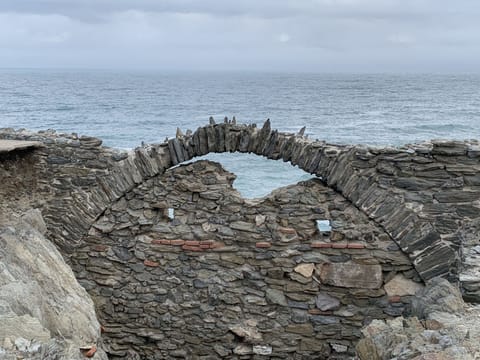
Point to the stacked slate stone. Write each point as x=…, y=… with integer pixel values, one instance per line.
x=423, y=201
x=232, y=278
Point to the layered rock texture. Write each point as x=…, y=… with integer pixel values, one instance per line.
x=179, y=265
x=441, y=327
x=44, y=312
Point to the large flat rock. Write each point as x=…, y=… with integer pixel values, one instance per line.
x=351, y=275
x=7, y=146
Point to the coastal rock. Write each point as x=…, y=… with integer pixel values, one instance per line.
x=40, y=298
x=262, y=350
x=438, y=296
x=450, y=330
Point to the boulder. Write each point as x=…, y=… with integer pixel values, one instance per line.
x=43, y=309
x=450, y=329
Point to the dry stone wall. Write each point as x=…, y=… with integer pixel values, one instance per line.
x=227, y=277
x=423, y=200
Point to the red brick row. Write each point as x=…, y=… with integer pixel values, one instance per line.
x=150, y=263
x=263, y=244
x=286, y=230
x=190, y=245
x=318, y=244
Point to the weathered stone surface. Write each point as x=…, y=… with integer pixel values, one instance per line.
x=305, y=270
x=326, y=302
x=457, y=196
x=220, y=260
x=243, y=349
x=248, y=331
x=450, y=331
x=351, y=275
x=276, y=297
x=302, y=329
x=321, y=349
x=17, y=145
x=438, y=296
x=40, y=298
x=401, y=286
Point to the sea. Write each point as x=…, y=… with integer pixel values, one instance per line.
x=126, y=108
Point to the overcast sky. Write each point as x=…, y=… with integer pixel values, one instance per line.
x=277, y=35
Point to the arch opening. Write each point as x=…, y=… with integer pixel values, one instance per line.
x=256, y=176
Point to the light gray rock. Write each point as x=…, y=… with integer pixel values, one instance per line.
x=276, y=297
x=449, y=332
x=401, y=286
x=326, y=302
x=351, y=275
x=262, y=349
x=40, y=298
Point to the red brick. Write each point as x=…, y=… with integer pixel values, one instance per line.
x=317, y=244
x=318, y=312
x=89, y=353
x=161, y=242
x=395, y=299
x=286, y=230
x=192, y=242
x=191, y=248
x=101, y=247
x=205, y=246
x=339, y=246
x=177, y=242
x=356, y=246
x=263, y=244
x=150, y=263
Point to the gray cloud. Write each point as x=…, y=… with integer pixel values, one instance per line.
x=306, y=35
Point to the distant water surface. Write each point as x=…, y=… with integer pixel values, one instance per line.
x=125, y=108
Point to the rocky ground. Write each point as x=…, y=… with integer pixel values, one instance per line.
x=44, y=312
x=442, y=327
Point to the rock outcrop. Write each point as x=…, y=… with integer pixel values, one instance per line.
x=441, y=327
x=44, y=312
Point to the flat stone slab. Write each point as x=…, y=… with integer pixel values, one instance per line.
x=14, y=145
x=351, y=275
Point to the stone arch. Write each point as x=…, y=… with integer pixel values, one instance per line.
x=226, y=254
x=362, y=175
x=422, y=195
